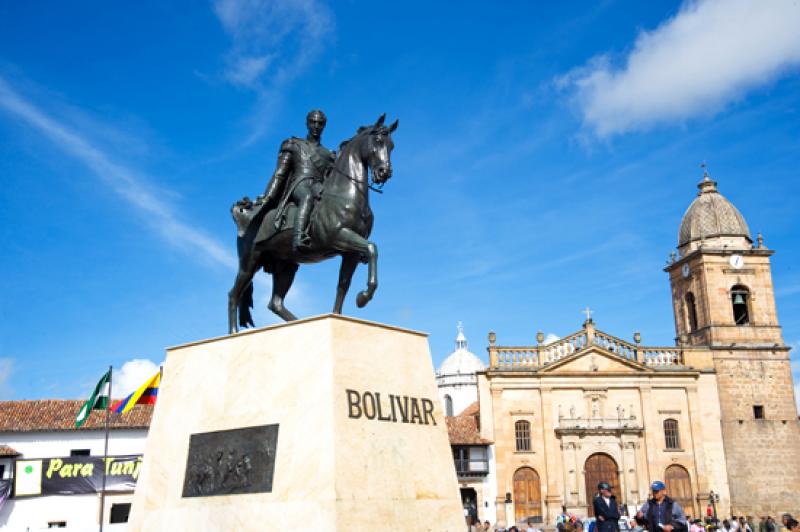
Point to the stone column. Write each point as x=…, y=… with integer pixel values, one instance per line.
x=565, y=455
x=501, y=456
x=632, y=494
x=622, y=489
x=570, y=465
x=552, y=497
x=651, y=435
x=700, y=484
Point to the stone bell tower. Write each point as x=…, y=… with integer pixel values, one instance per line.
x=723, y=299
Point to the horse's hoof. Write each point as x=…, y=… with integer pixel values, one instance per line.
x=362, y=299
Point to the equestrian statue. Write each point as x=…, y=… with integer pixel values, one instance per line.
x=316, y=206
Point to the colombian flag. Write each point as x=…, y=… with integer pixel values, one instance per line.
x=145, y=395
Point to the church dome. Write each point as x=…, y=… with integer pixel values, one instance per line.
x=711, y=215
x=461, y=361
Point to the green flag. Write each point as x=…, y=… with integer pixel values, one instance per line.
x=97, y=401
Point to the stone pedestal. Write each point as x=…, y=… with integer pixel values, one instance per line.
x=361, y=438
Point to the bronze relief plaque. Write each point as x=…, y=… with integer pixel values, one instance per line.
x=231, y=462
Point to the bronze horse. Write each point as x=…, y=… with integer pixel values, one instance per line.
x=340, y=224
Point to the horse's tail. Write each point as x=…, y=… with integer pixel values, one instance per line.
x=245, y=304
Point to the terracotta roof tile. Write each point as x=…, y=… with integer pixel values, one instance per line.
x=463, y=430
x=471, y=410
x=59, y=414
x=5, y=450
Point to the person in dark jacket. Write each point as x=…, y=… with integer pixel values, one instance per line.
x=662, y=514
x=606, y=510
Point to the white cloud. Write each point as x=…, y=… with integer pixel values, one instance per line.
x=6, y=368
x=273, y=42
x=126, y=182
x=245, y=71
x=131, y=375
x=705, y=57
x=291, y=32
x=550, y=338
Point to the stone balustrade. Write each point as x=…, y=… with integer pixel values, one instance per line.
x=534, y=357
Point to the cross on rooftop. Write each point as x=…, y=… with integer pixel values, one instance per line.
x=704, y=166
x=588, y=313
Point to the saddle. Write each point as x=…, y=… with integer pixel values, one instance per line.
x=252, y=218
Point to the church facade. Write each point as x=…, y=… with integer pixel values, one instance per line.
x=713, y=416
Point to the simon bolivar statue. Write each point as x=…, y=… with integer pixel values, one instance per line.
x=302, y=166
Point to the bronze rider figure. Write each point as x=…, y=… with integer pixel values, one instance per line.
x=301, y=169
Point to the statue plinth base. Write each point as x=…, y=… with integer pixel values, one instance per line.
x=361, y=442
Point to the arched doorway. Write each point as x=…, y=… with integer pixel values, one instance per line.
x=527, y=495
x=679, y=487
x=599, y=468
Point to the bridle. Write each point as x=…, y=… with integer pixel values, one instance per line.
x=371, y=186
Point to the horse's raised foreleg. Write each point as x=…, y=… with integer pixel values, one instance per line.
x=348, y=240
x=282, y=279
x=349, y=263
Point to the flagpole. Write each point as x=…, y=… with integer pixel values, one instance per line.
x=105, y=449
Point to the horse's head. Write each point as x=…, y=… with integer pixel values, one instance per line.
x=377, y=147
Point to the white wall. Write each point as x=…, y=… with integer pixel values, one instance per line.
x=59, y=443
x=489, y=486
x=463, y=395
x=81, y=512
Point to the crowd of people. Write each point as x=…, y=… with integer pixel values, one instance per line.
x=659, y=514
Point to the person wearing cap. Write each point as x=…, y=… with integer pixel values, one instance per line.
x=660, y=513
x=606, y=510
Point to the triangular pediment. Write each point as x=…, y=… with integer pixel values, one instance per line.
x=594, y=359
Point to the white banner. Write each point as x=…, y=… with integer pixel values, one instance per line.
x=28, y=480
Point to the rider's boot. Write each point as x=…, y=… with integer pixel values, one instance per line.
x=301, y=241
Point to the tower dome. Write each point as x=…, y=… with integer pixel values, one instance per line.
x=711, y=216
x=456, y=379
x=461, y=361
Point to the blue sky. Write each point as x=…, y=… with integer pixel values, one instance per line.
x=544, y=158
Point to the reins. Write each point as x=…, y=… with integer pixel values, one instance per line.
x=354, y=180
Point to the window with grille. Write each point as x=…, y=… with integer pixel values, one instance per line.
x=758, y=411
x=522, y=429
x=671, y=436
x=740, y=299
x=448, y=405
x=691, y=310
x=471, y=461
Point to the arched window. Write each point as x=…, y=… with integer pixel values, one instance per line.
x=691, y=311
x=522, y=430
x=671, y=436
x=448, y=405
x=740, y=299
